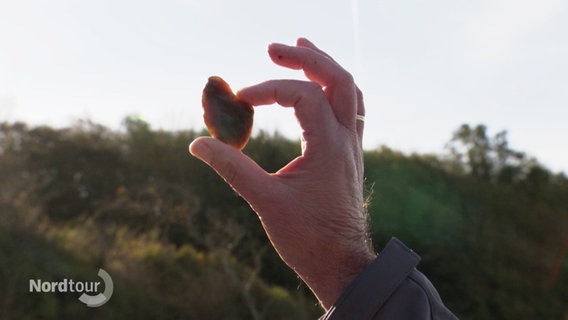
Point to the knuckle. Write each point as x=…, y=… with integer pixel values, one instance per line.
x=360, y=102
x=359, y=94
x=310, y=94
x=312, y=88
x=345, y=78
x=229, y=172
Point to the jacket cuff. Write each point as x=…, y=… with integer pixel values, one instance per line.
x=375, y=284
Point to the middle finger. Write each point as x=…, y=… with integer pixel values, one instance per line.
x=338, y=83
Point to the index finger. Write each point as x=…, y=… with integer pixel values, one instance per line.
x=310, y=104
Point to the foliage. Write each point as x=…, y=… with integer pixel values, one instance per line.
x=490, y=223
x=488, y=158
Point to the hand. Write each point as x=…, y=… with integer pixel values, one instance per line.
x=312, y=209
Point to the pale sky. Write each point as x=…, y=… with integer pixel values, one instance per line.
x=425, y=67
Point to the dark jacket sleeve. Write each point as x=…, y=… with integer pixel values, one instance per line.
x=390, y=288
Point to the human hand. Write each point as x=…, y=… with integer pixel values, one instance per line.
x=312, y=209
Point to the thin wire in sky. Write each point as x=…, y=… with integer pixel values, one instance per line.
x=356, y=33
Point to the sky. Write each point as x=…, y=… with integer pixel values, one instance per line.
x=425, y=67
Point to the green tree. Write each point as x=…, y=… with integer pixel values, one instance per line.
x=485, y=157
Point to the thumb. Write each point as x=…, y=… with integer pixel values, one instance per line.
x=244, y=175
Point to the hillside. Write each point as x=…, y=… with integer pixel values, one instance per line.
x=490, y=223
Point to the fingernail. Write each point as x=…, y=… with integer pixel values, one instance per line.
x=201, y=149
x=276, y=46
x=275, y=50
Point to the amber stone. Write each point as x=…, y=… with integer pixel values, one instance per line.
x=227, y=118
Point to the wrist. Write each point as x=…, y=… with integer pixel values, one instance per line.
x=341, y=270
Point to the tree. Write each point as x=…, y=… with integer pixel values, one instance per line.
x=488, y=158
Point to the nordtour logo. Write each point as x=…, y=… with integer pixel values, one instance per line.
x=69, y=285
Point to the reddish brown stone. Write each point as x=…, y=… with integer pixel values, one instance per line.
x=228, y=118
